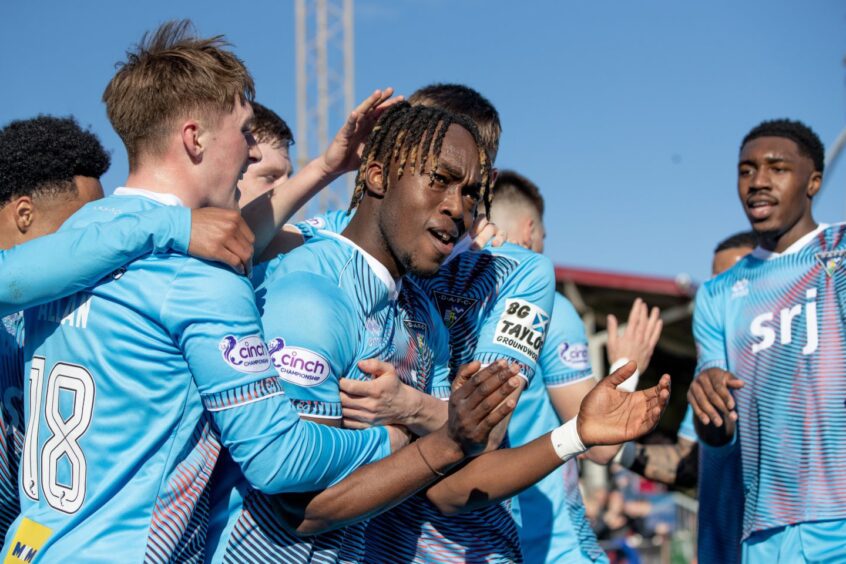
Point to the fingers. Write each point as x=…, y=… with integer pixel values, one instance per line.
x=718, y=394
x=373, y=100
x=376, y=367
x=620, y=375
x=735, y=383
x=501, y=411
x=464, y=374
x=494, y=382
x=698, y=399
x=354, y=387
x=655, y=326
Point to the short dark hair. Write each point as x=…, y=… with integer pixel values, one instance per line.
x=40, y=156
x=738, y=241
x=808, y=142
x=268, y=127
x=412, y=136
x=463, y=100
x=511, y=185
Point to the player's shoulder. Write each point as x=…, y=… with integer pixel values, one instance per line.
x=310, y=297
x=527, y=260
x=333, y=221
x=108, y=208
x=563, y=310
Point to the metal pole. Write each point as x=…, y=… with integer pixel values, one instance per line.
x=303, y=156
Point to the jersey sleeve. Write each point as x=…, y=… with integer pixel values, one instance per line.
x=709, y=330
x=686, y=429
x=333, y=221
x=60, y=264
x=440, y=386
x=564, y=358
x=515, y=327
x=221, y=338
x=312, y=339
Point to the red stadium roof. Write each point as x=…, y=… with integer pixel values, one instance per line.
x=681, y=287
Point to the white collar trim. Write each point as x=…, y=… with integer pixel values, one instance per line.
x=764, y=254
x=162, y=198
x=379, y=269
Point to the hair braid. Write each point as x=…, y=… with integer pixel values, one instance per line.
x=412, y=135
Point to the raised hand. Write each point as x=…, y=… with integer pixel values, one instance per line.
x=609, y=416
x=484, y=232
x=221, y=235
x=637, y=342
x=344, y=153
x=709, y=396
x=479, y=402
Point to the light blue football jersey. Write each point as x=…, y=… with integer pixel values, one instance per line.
x=131, y=388
x=776, y=321
x=326, y=306
x=554, y=527
x=686, y=429
x=60, y=264
x=496, y=304
x=11, y=415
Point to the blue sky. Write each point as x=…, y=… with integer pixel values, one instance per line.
x=628, y=115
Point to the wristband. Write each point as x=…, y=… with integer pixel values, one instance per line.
x=566, y=440
x=630, y=385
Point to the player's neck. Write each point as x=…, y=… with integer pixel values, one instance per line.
x=363, y=231
x=782, y=242
x=165, y=180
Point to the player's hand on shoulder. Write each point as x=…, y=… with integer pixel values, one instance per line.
x=484, y=231
x=480, y=400
x=221, y=235
x=637, y=341
x=710, y=396
x=609, y=416
x=344, y=153
x=383, y=400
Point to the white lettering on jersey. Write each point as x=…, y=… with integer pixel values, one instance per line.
x=248, y=355
x=522, y=327
x=297, y=365
x=762, y=326
x=72, y=311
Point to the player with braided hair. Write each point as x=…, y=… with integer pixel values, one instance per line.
x=409, y=134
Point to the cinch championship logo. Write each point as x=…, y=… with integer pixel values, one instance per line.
x=297, y=365
x=574, y=356
x=245, y=355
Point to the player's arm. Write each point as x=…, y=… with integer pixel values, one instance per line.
x=607, y=416
x=269, y=212
x=567, y=385
x=674, y=465
x=62, y=263
x=221, y=338
x=710, y=392
x=474, y=411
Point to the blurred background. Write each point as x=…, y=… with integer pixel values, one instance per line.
x=627, y=115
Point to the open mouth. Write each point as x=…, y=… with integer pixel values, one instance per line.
x=444, y=241
x=760, y=208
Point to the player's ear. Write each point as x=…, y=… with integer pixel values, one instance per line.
x=814, y=183
x=194, y=138
x=24, y=213
x=374, y=179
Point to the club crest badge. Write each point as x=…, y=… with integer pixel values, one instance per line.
x=452, y=308
x=831, y=261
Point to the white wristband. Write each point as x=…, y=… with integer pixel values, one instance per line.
x=566, y=440
x=630, y=384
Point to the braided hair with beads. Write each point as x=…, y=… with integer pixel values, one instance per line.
x=413, y=135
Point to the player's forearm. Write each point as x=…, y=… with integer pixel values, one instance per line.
x=430, y=415
x=269, y=212
x=63, y=263
x=603, y=454
x=674, y=465
x=374, y=488
x=494, y=476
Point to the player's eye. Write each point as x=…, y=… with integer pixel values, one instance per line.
x=439, y=179
x=474, y=193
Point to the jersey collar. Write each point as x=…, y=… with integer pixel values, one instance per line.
x=763, y=254
x=162, y=198
x=377, y=267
